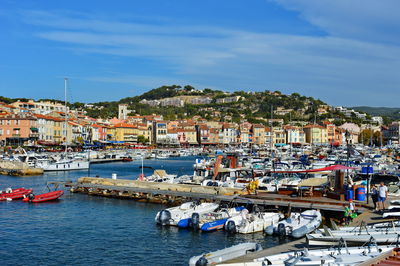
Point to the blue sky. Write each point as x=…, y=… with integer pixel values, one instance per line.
x=345, y=52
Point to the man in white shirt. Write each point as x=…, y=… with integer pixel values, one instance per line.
x=382, y=195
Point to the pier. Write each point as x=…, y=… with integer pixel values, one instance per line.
x=177, y=193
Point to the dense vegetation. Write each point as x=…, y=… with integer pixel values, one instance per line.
x=387, y=113
x=255, y=107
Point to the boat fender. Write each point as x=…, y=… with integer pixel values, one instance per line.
x=281, y=230
x=164, y=217
x=202, y=261
x=195, y=221
x=231, y=227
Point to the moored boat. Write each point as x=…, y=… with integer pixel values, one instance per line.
x=225, y=254
x=246, y=222
x=53, y=195
x=297, y=225
x=215, y=220
x=17, y=194
x=181, y=215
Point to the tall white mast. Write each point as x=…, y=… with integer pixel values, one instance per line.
x=66, y=115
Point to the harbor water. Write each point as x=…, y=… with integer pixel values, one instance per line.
x=87, y=230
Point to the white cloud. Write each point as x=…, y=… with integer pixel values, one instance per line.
x=370, y=20
x=323, y=66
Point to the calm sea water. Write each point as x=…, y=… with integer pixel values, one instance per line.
x=87, y=230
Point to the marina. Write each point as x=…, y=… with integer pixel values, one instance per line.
x=175, y=191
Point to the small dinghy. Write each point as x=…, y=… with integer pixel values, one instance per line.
x=247, y=223
x=43, y=197
x=332, y=238
x=297, y=225
x=392, y=211
x=181, y=215
x=332, y=256
x=10, y=190
x=215, y=220
x=15, y=194
x=225, y=254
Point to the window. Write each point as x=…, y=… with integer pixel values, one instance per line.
x=1, y=132
x=8, y=122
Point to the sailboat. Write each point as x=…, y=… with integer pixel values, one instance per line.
x=64, y=164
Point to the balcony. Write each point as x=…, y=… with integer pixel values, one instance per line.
x=16, y=135
x=34, y=135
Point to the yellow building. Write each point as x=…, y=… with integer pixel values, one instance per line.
x=316, y=134
x=144, y=130
x=126, y=132
x=279, y=136
x=258, y=134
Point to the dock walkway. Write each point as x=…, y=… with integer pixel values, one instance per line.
x=131, y=188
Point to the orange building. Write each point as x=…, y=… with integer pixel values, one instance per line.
x=18, y=129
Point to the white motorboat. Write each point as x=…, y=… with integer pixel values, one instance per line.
x=215, y=220
x=62, y=165
x=225, y=254
x=353, y=238
x=246, y=222
x=332, y=256
x=297, y=225
x=181, y=215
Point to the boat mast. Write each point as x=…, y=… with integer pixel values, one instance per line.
x=66, y=116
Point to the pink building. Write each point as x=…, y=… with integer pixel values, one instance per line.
x=16, y=129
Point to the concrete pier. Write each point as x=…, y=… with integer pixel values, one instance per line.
x=167, y=193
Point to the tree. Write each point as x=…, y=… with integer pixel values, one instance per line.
x=189, y=88
x=142, y=139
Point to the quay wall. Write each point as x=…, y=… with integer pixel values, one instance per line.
x=18, y=169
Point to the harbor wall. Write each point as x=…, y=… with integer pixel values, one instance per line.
x=18, y=169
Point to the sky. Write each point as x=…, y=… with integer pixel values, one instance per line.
x=344, y=52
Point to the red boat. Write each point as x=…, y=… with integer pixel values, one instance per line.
x=15, y=194
x=44, y=197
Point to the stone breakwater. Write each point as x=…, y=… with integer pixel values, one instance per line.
x=18, y=169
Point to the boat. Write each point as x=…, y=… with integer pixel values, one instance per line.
x=353, y=238
x=297, y=225
x=62, y=165
x=15, y=195
x=53, y=195
x=251, y=222
x=10, y=190
x=225, y=254
x=215, y=220
x=65, y=163
x=181, y=215
x=337, y=255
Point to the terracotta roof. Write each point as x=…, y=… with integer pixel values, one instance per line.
x=125, y=125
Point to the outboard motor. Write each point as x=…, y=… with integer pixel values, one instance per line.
x=202, y=261
x=281, y=230
x=210, y=183
x=231, y=227
x=164, y=217
x=195, y=221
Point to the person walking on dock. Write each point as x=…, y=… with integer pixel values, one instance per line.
x=382, y=196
